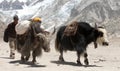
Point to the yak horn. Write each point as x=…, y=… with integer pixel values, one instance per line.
x=51, y=34
x=54, y=31
x=95, y=25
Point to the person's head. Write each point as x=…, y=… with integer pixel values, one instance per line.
x=37, y=19
x=15, y=18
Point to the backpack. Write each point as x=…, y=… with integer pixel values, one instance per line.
x=5, y=36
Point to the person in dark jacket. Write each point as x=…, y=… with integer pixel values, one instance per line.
x=11, y=33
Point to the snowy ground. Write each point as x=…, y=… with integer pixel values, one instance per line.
x=101, y=59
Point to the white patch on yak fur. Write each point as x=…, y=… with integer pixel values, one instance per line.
x=104, y=38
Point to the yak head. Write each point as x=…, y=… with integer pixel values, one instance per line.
x=43, y=42
x=102, y=37
x=44, y=39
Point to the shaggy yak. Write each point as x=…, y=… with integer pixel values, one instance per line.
x=76, y=37
x=33, y=42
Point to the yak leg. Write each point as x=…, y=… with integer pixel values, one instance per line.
x=86, y=59
x=34, y=57
x=22, y=58
x=27, y=57
x=78, y=58
x=61, y=55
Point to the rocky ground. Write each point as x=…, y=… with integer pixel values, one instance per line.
x=101, y=59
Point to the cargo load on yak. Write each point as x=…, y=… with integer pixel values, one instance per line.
x=71, y=29
x=22, y=27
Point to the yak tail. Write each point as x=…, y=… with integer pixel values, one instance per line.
x=57, y=44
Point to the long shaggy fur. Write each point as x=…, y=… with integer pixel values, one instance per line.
x=30, y=42
x=68, y=42
x=84, y=35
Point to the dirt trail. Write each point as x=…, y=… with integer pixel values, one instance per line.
x=101, y=59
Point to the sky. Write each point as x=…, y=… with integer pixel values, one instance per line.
x=14, y=0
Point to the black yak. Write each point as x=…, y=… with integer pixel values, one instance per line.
x=72, y=39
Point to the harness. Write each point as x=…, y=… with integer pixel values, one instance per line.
x=71, y=29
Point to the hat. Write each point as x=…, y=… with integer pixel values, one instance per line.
x=15, y=17
x=37, y=19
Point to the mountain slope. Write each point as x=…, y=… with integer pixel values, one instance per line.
x=59, y=12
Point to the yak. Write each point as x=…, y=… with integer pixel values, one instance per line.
x=72, y=39
x=33, y=42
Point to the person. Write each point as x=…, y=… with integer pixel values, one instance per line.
x=36, y=23
x=11, y=33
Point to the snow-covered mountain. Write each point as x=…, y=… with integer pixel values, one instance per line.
x=59, y=12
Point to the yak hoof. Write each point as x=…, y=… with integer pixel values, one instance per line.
x=86, y=62
x=27, y=58
x=12, y=57
x=61, y=59
x=34, y=62
x=79, y=63
x=22, y=58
